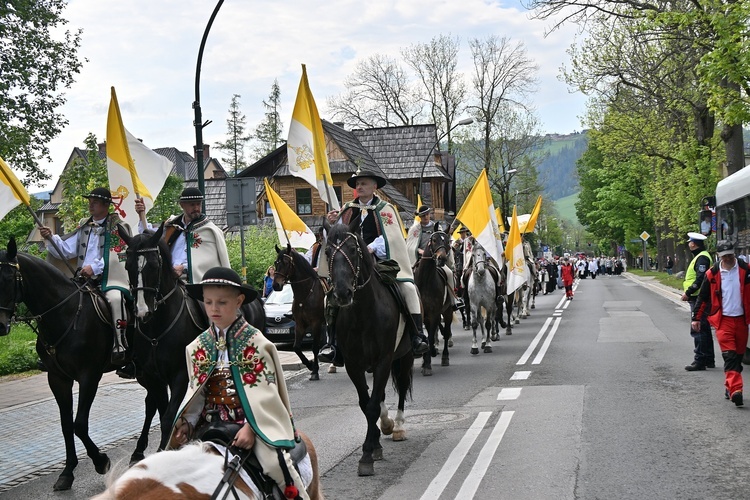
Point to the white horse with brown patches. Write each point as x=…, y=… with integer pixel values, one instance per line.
x=193, y=473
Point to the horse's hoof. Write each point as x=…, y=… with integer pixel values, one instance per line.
x=495, y=337
x=136, y=457
x=484, y=343
x=466, y=327
x=315, y=376
x=331, y=369
x=63, y=483
x=533, y=306
x=488, y=348
x=365, y=469
x=103, y=466
x=399, y=435
x=433, y=351
x=475, y=350
x=450, y=342
x=508, y=332
x=377, y=454
x=427, y=372
x=445, y=362
x=518, y=322
x=386, y=427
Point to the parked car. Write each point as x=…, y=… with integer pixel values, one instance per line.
x=280, y=324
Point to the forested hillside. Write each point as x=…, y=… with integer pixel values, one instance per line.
x=557, y=172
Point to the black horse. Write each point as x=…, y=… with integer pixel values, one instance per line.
x=436, y=303
x=167, y=319
x=367, y=326
x=308, y=308
x=74, y=341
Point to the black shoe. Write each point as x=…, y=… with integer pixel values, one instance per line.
x=127, y=371
x=41, y=366
x=711, y=365
x=419, y=346
x=737, y=398
x=726, y=393
x=694, y=367
x=329, y=354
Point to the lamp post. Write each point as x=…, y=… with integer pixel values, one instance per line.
x=465, y=121
x=198, y=121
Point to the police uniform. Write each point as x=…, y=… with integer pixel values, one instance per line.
x=694, y=275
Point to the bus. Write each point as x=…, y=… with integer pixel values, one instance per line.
x=733, y=210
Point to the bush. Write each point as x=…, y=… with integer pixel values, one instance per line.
x=259, y=252
x=17, y=351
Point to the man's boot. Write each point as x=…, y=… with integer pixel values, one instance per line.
x=120, y=347
x=418, y=339
x=329, y=353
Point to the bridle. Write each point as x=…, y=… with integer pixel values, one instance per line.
x=433, y=249
x=356, y=270
x=17, y=289
x=291, y=273
x=157, y=289
x=477, y=261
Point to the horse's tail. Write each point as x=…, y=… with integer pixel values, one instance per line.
x=402, y=374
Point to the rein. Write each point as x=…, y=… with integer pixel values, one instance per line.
x=291, y=273
x=339, y=249
x=156, y=290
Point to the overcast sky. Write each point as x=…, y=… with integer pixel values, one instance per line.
x=147, y=50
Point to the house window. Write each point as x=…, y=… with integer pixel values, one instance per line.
x=304, y=201
x=268, y=209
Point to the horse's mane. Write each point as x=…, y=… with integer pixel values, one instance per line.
x=166, y=254
x=339, y=231
x=47, y=268
x=300, y=262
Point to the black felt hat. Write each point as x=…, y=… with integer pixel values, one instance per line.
x=101, y=193
x=191, y=194
x=352, y=181
x=422, y=210
x=222, y=276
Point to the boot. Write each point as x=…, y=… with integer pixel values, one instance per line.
x=127, y=371
x=328, y=353
x=418, y=339
x=120, y=348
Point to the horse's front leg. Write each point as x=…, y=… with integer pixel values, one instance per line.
x=62, y=389
x=487, y=344
x=445, y=329
x=299, y=334
x=177, y=389
x=87, y=388
x=156, y=400
x=427, y=357
x=474, y=325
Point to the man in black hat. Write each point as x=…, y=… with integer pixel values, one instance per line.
x=694, y=276
x=196, y=243
x=380, y=226
x=101, y=260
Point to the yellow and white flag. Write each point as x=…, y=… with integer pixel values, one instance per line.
x=133, y=169
x=529, y=226
x=12, y=192
x=290, y=228
x=478, y=214
x=517, y=270
x=500, y=221
x=306, y=145
x=417, y=218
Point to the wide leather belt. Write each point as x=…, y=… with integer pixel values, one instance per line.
x=220, y=390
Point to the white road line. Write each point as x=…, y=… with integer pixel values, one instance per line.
x=471, y=483
x=509, y=393
x=559, y=304
x=547, y=342
x=567, y=304
x=532, y=346
x=521, y=375
x=437, y=486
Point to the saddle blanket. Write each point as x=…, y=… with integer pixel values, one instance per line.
x=304, y=467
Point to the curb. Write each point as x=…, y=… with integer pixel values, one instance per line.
x=669, y=293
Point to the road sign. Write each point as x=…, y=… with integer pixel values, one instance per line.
x=645, y=236
x=240, y=202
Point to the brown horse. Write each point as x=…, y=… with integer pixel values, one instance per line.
x=436, y=302
x=308, y=308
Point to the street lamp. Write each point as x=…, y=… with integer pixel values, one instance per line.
x=198, y=122
x=465, y=121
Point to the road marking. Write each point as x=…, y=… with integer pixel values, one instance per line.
x=521, y=375
x=547, y=342
x=509, y=393
x=559, y=304
x=437, y=486
x=532, y=346
x=471, y=483
x=567, y=304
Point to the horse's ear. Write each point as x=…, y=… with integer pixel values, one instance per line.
x=124, y=234
x=288, y=248
x=12, y=249
x=278, y=250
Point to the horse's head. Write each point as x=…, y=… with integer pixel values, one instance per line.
x=439, y=246
x=149, y=265
x=284, y=267
x=10, y=285
x=347, y=259
x=479, y=259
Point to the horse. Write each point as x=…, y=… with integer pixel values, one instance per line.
x=166, y=320
x=367, y=326
x=458, y=256
x=481, y=291
x=74, y=341
x=436, y=301
x=194, y=471
x=308, y=308
x=530, y=289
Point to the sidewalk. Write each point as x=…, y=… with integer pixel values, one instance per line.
x=665, y=291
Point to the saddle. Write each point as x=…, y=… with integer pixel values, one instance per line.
x=223, y=433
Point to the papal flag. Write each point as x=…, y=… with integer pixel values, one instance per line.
x=478, y=214
x=500, y=221
x=12, y=192
x=529, y=226
x=306, y=146
x=517, y=271
x=290, y=228
x=133, y=169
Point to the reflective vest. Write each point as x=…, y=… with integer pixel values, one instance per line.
x=690, y=273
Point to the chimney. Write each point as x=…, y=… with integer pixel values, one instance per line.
x=206, y=152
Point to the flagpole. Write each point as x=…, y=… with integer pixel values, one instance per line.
x=276, y=209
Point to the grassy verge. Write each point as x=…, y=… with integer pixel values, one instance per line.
x=661, y=277
x=17, y=353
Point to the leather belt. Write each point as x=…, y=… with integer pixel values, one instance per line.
x=220, y=390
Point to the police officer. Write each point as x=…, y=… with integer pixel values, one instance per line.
x=704, y=344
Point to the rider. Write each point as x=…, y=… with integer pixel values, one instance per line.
x=416, y=241
x=235, y=375
x=94, y=239
x=195, y=242
x=313, y=253
x=380, y=226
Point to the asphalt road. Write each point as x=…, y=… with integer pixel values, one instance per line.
x=588, y=399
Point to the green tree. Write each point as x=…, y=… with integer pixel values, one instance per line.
x=259, y=252
x=38, y=62
x=18, y=222
x=268, y=135
x=167, y=202
x=78, y=180
x=234, y=146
